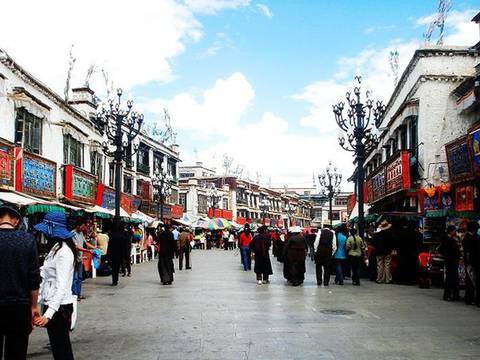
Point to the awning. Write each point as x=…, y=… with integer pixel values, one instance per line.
x=17, y=199
x=452, y=213
x=143, y=217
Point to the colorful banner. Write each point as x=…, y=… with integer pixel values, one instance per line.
x=35, y=175
x=464, y=198
x=177, y=211
x=108, y=198
x=475, y=138
x=378, y=185
x=144, y=190
x=459, y=160
x=6, y=166
x=79, y=185
x=397, y=173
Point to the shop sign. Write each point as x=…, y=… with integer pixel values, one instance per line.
x=80, y=185
x=227, y=214
x=397, y=173
x=241, y=220
x=177, y=211
x=475, y=140
x=378, y=185
x=35, y=175
x=107, y=198
x=6, y=166
x=214, y=213
x=136, y=202
x=459, y=160
x=126, y=203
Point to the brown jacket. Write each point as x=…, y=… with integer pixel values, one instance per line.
x=184, y=239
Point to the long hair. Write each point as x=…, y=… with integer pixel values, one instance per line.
x=69, y=242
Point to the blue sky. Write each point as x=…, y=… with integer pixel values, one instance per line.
x=254, y=80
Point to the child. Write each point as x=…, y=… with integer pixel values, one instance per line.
x=424, y=264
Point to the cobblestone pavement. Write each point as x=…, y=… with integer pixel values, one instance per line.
x=216, y=311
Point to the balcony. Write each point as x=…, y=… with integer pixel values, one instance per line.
x=144, y=169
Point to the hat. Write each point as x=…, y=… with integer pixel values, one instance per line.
x=54, y=225
x=295, y=229
x=384, y=225
x=12, y=210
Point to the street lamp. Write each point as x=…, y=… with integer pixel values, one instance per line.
x=330, y=184
x=361, y=140
x=213, y=197
x=119, y=127
x=162, y=188
x=264, y=207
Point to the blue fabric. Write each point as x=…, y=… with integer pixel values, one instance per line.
x=246, y=260
x=341, y=242
x=54, y=225
x=339, y=271
x=77, y=280
x=97, y=254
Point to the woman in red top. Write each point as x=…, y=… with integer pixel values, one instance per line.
x=244, y=240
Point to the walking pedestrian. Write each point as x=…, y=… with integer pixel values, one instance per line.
x=383, y=244
x=450, y=250
x=325, y=246
x=117, y=248
x=126, y=262
x=176, y=235
x=19, y=284
x=184, y=248
x=81, y=246
x=340, y=254
x=294, y=256
x=244, y=240
x=165, y=256
x=56, y=294
x=471, y=248
x=355, y=251
x=260, y=245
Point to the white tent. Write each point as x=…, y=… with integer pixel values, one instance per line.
x=354, y=212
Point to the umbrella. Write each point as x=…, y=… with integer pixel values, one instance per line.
x=223, y=223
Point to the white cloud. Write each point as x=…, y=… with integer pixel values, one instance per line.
x=373, y=29
x=217, y=110
x=265, y=10
x=133, y=42
x=214, y=6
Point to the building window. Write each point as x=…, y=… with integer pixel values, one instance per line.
x=127, y=184
x=413, y=136
x=72, y=151
x=403, y=138
x=202, y=204
x=96, y=165
x=341, y=201
x=186, y=175
x=129, y=156
x=172, y=168
x=182, y=200
x=225, y=204
x=157, y=161
x=335, y=215
x=143, y=159
x=28, y=131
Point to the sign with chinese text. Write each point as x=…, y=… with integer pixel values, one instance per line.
x=108, y=198
x=475, y=140
x=6, y=165
x=397, y=173
x=35, y=175
x=80, y=185
x=459, y=160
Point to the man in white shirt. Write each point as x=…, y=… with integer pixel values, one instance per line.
x=325, y=246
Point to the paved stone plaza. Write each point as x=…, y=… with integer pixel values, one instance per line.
x=216, y=311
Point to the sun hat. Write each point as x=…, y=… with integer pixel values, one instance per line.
x=384, y=225
x=54, y=225
x=295, y=229
x=12, y=210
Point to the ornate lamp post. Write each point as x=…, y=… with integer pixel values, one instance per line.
x=360, y=139
x=264, y=207
x=330, y=185
x=213, y=197
x=120, y=127
x=162, y=188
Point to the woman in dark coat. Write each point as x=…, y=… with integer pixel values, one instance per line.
x=165, y=256
x=294, y=256
x=260, y=245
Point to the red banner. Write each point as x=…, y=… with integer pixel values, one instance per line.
x=6, y=166
x=177, y=211
x=241, y=220
x=464, y=198
x=126, y=203
x=351, y=203
x=227, y=214
x=144, y=190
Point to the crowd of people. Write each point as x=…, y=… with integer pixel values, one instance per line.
x=389, y=254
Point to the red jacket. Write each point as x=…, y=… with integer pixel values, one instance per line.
x=245, y=239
